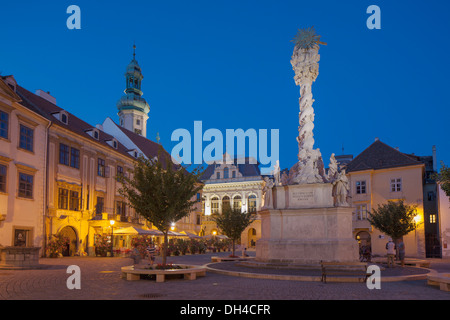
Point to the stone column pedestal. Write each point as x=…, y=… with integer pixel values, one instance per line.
x=305, y=228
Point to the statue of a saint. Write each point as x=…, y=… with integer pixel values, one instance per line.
x=267, y=193
x=341, y=187
x=276, y=173
x=332, y=169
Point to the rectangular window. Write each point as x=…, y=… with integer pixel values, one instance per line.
x=74, y=204
x=432, y=218
x=119, y=173
x=26, y=138
x=361, y=187
x=25, y=186
x=63, y=154
x=396, y=185
x=63, y=198
x=2, y=178
x=121, y=209
x=101, y=167
x=361, y=212
x=75, y=158
x=217, y=175
x=99, y=206
x=4, y=123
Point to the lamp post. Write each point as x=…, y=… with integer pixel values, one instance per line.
x=111, y=222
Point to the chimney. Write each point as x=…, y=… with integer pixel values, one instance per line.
x=46, y=96
x=434, y=159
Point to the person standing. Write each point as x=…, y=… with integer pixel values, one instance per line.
x=390, y=247
x=151, y=251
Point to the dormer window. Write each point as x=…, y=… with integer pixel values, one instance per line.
x=113, y=143
x=134, y=153
x=62, y=116
x=94, y=133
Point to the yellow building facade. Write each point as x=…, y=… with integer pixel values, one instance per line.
x=378, y=175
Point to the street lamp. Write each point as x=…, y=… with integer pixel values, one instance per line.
x=111, y=222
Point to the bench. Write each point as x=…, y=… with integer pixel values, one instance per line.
x=343, y=269
x=190, y=273
x=441, y=279
x=224, y=259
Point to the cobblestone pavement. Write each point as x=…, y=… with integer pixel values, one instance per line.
x=100, y=280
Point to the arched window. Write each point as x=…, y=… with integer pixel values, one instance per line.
x=214, y=205
x=251, y=203
x=226, y=173
x=237, y=203
x=225, y=202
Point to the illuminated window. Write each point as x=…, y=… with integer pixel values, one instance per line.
x=252, y=203
x=237, y=203
x=361, y=212
x=432, y=218
x=214, y=205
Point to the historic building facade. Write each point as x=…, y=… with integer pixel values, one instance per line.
x=59, y=174
x=238, y=185
x=23, y=145
x=380, y=174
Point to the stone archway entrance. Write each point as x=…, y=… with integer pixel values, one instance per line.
x=72, y=246
x=365, y=245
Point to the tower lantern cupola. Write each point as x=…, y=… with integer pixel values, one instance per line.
x=132, y=108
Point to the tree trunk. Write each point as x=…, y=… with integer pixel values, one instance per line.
x=233, y=247
x=164, y=257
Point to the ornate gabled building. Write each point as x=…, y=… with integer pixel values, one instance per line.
x=238, y=183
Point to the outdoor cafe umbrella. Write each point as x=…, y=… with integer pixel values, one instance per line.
x=135, y=230
x=190, y=235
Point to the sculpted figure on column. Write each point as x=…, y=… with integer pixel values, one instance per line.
x=305, y=64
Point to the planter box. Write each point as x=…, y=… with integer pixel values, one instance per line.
x=19, y=257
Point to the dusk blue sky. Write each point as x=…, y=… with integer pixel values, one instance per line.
x=227, y=64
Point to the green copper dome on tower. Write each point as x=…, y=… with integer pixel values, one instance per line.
x=132, y=108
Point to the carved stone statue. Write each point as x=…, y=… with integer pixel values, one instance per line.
x=267, y=193
x=276, y=173
x=341, y=188
x=305, y=62
x=332, y=169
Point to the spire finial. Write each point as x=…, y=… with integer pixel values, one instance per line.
x=134, y=50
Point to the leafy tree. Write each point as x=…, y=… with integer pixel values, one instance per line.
x=161, y=192
x=395, y=218
x=444, y=178
x=232, y=222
